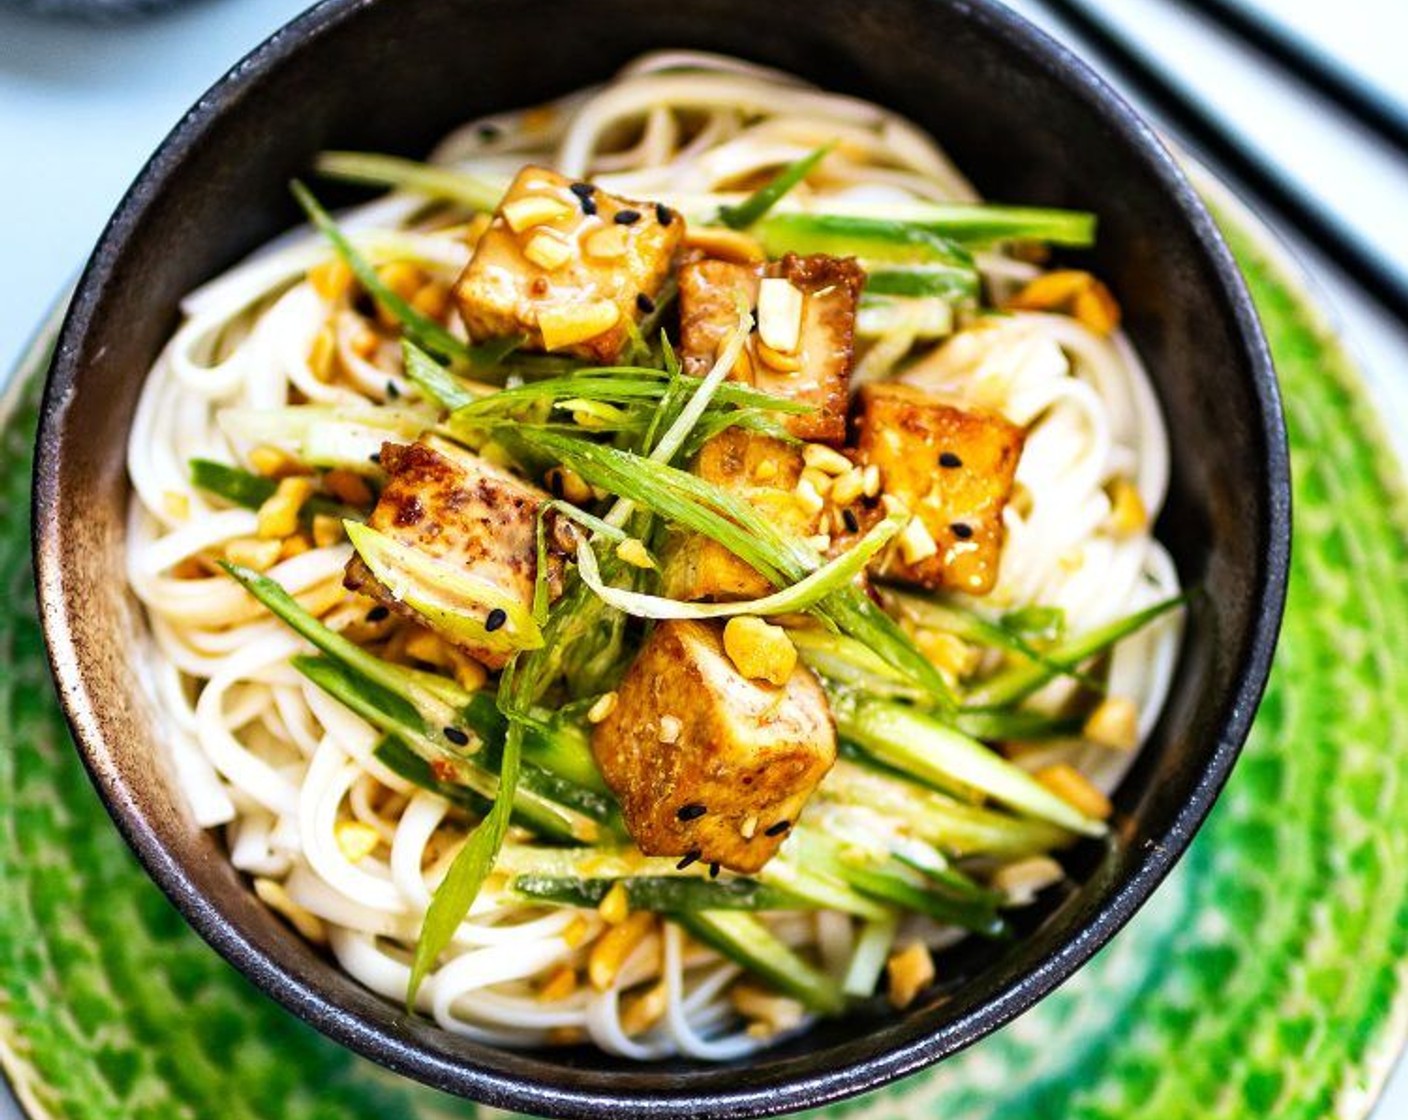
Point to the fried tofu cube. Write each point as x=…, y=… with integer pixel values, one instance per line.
x=567, y=265
x=953, y=470
x=816, y=370
x=706, y=762
x=455, y=507
x=763, y=471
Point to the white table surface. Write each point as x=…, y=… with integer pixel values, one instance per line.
x=82, y=107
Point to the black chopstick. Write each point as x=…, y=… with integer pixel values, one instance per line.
x=1311, y=67
x=1243, y=166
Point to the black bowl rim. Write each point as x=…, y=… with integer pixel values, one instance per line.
x=562, y=1098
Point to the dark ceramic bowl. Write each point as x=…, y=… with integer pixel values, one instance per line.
x=1026, y=120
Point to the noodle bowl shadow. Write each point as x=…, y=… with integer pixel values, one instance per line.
x=1025, y=120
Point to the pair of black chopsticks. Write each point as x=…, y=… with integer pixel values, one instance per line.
x=1241, y=164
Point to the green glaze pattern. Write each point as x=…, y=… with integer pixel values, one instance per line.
x=1265, y=978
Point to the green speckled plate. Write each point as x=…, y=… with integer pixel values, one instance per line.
x=1265, y=978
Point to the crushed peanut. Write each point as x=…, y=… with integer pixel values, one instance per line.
x=534, y=210
x=327, y=530
x=547, y=250
x=1074, y=292
x=910, y=971
x=870, y=481
x=426, y=645
x=274, y=462
x=1074, y=788
x=569, y=485
x=322, y=355
x=433, y=299
x=1113, y=723
x=615, y=905
x=749, y=827
x=295, y=545
x=308, y=924
x=765, y=471
x=348, y=487
x=570, y=324
x=779, y=314
x=561, y=984
x=760, y=650
x=604, y=706
x=331, y=280
x=768, y=1013
x=916, y=542
x=356, y=840
x=404, y=279
x=820, y=481
x=825, y=459
x=641, y=1012
x=726, y=244
x=847, y=487
x=606, y=243
x=1023, y=879
x=670, y=729
x=634, y=552
x=575, y=935
x=776, y=359
x=812, y=502
x=250, y=552
x=614, y=947
x=470, y=675
x=1127, y=513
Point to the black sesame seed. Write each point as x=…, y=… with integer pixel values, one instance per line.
x=691, y=812
x=488, y=131
x=713, y=870
x=376, y=614
x=375, y=456
x=644, y=303
x=495, y=620
x=589, y=206
x=777, y=829
x=626, y=217
x=950, y=460
x=582, y=190
x=689, y=857
x=663, y=214
x=392, y=392
x=456, y=736
x=961, y=531
x=849, y=519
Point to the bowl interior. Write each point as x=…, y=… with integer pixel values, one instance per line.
x=1023, y=121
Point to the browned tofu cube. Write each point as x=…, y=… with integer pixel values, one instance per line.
x=459, y=509
x=705, y=761
x=765, y=472
x=567, y=265
x=816, y=369
x=953, y=470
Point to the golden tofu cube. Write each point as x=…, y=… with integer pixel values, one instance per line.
x=818, y=371
x=705, y=762
x=765, y=472
x=455, y=507
x=950, y=468
x=541, y=268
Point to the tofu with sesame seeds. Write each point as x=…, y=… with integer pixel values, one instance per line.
x=566, y=265
x=707, y=764
x=804, y=306
x=459, y=509
x=765, y=472
x=953, y=469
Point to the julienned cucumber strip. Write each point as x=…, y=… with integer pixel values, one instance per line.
x=945, y=281
x=666, y=894
x=981, y=225
x=1020, y=681
x=375, y=170
x=916, y=743
x=746, y=941
x=871, y=239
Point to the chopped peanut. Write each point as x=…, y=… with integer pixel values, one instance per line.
x=848, y=487
x=820, y=481
x=274, y=462
x=470, y=675
x=327, y=530
x=348, y=487
x=573, y=323
x=273, y=895
x=332, y=279
x=615, y=946
x=606, y=243
x=916, y=542
x=768, y=1013
x=576, y=932
x=760, y=650
x=561, y=984
x=404, y=279
x=1113, y=723
x=433, y=299
x=949, y=654
x=825, y=459
x=726, y=244
x=670, y=728
x=1127, y=513
x=547, y=250
x=356, y=840
x=811, y=500
x=779, y=314
x=615, y=906
x=910, y=971
x=278, y=517
x=249, y=552
x=1076, y=293
x=295, y=545
x=641, y=1012
x=568, y=484
x=604, y=706
x=1023, y=879
x=1074, y=788
x=634, y=552
x=776, y=359
x=533, y=210
x=870, y=479
x=426, y=645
